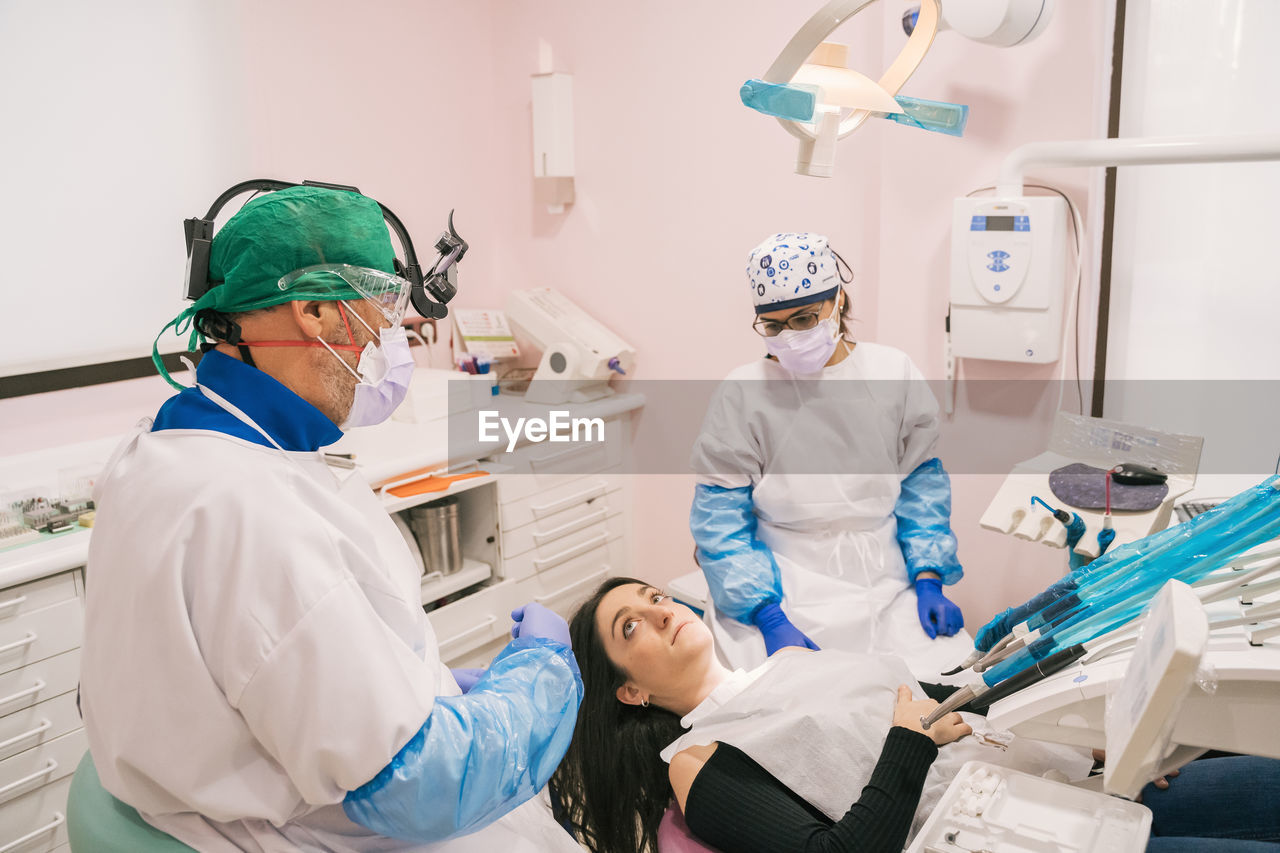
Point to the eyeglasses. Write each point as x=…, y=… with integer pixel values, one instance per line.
x=801, y=322
x=386, y=292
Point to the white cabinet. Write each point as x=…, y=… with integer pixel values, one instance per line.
x=557, y=522
x=41, y=736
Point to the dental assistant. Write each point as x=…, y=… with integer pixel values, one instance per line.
x=258, y=672
x=821, y=512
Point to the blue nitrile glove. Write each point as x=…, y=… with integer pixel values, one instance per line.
x=534, y=620
x=778, y=630
x=938, y=614
x=466, y=677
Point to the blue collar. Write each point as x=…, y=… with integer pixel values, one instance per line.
x=293, y=422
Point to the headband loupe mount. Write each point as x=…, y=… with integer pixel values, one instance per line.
x=428, y=293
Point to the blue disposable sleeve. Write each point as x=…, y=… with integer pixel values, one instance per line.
x=480, y=755
x=995, y=630
x=923, y=511
x=740, y=570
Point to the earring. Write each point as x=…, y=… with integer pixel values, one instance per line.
x=644, y=703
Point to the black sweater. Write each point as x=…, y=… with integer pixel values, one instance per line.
x=738, y=806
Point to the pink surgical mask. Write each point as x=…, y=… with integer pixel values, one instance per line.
x=808, y=351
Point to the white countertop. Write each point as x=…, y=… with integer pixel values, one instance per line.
x=383, y=453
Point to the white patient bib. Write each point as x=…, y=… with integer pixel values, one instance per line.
x=817, y=721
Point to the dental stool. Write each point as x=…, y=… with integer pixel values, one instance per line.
x=99, y=823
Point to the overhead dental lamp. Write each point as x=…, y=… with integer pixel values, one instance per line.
x=819, y=100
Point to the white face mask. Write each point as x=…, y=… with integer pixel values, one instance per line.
x=384, y=373
x=808, y=351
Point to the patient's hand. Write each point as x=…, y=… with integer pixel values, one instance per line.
x=908, y=711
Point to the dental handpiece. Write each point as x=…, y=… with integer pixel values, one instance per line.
x=1036, y=672
x=965, y=694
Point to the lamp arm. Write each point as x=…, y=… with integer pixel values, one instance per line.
x=1141, y=150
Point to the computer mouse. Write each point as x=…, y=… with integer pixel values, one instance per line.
x=1133, y=474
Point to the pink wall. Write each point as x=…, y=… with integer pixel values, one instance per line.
x=1051, y=88
x=675, y=182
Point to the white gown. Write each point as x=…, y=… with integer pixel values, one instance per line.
x=826, y=462
x=235, y=690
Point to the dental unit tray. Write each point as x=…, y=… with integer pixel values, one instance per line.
x=995, y=809
x=1101, y=444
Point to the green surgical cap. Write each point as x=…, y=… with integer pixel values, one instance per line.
x=275, y=234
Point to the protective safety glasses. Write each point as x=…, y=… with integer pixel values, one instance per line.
x=386, y=292
x=801, y=321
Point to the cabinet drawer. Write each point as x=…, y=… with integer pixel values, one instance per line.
x=567, y=549
x=563, y=591
x=39, y=817
x=563, y=587
x=38, y=724
x=17, y=601
x=544, y=531
x=557, y=498
x=474, y=620
x=25, y=772
x=537, y=467
x=24, y=687
x=34, y=636
x=514, y=487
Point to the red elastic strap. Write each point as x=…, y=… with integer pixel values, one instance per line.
x=347, y=347
x=351, y=347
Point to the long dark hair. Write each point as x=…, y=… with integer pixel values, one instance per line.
x=612, y=782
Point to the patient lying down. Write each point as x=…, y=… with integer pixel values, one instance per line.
x=810, y=751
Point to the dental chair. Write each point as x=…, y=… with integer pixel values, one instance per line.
x=99, y=823
x=674, y=835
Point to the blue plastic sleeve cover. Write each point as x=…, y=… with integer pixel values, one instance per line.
x=938, y=116
x=740, y=570
x=995, y=630
x=480, y=755
x=784, y=100
x=923, y=511
x=1126, y=578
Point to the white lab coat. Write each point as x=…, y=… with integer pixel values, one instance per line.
x=235, y=690
x=826, y=464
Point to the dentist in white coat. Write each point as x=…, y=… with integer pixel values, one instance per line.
x=258, y=673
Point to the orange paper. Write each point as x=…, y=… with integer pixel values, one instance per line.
x=432, y=484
